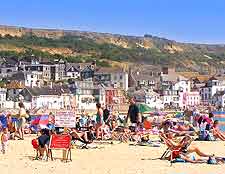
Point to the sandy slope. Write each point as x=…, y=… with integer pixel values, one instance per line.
x=111, y=159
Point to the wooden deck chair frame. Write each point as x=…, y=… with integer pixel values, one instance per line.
x=68, y=155
x=168, y=152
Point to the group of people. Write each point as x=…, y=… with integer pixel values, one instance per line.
x=209, y=128
x=205, y=127
x=90, y=128
x=13, y=129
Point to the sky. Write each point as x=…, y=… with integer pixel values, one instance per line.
x=196, y=21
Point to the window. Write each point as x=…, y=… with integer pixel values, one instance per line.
x=121, y=77
x=32, y=76
x=8, y=70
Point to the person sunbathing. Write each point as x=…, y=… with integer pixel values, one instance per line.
x=186, y=127
x=184, y=148
x=81, y=136
x=216, y=131
x=173, y=130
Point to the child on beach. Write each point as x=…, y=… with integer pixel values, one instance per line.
x=4, y=140
x=41, y=143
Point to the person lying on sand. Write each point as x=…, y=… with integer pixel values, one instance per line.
x=168, y=127
x=183, y=149
x=78, y=135
x=216, y=131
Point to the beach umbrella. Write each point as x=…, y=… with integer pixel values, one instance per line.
x=144, y=108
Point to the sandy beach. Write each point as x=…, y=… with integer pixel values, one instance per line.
x=107, y=159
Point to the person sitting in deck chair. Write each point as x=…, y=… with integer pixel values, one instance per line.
x=183, y=148
x=168, y=128
x=83, y=137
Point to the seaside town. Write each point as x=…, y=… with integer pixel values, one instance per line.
x=112, y=87
x=58, y=85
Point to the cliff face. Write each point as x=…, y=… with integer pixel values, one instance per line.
x=20, y=31
x=119, y=40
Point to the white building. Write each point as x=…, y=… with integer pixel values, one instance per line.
x=193, y=98
x=56, y=97
x=218, y=99
x=112, y=77
x=149, y=97
x=28, y=79
x=72, y=72
x=171, y=98
x=86, y=95
x=2, y=97
x=212, y=86
x=33, y=79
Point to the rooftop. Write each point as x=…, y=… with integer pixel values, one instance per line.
x=55, y=90
x=109, y=70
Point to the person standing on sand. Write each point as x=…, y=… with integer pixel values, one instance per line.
x=21, y=120
x=51, y=121
x=4, y=140
x=106, y=115
x=99, y=119
x=133, y=113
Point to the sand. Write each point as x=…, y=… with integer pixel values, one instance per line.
x=107, y=159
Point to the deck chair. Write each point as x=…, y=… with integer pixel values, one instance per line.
x=84, y=143
x=172, y=151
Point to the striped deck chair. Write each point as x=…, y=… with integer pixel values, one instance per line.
x=172, y=152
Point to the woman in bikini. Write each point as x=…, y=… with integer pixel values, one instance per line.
x=183, y=150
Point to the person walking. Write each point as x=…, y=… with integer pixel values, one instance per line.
x=99, y=120
x=133, y=113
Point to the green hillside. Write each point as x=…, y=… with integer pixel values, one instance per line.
x=75, y=46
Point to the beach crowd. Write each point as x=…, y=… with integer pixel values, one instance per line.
x=176, y=133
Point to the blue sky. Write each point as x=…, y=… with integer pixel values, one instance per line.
x=201, y=21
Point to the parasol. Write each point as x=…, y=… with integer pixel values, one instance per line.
x=144, y=108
